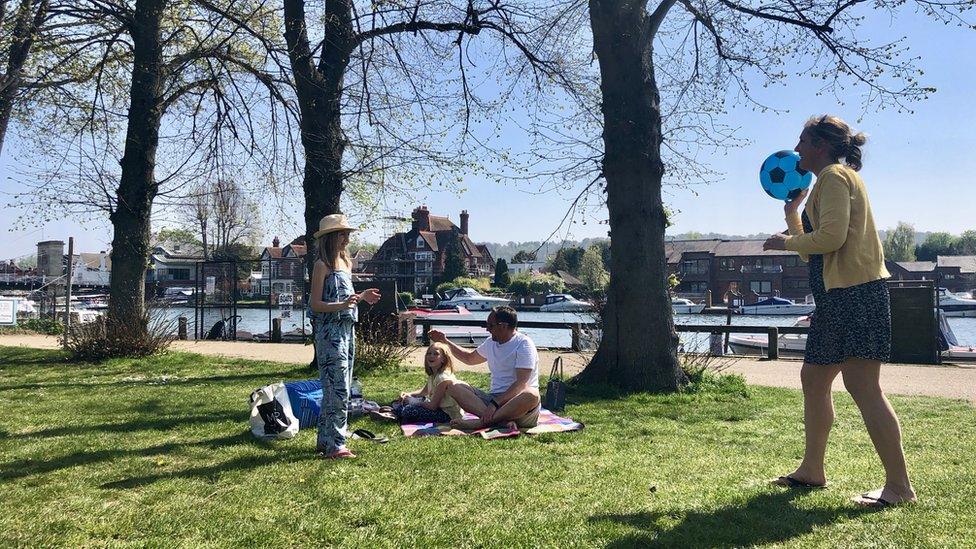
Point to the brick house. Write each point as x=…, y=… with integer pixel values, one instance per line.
x=956, y=273
x=415, y=259
x=282, y=268
x=173, y=268
x=738, y=265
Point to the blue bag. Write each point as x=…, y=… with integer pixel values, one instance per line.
x=306, y=400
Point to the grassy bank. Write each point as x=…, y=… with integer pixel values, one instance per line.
x=156, y=451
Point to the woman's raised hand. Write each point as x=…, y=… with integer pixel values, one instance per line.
x=352, y=301
x=791, y=206
x=372, y=296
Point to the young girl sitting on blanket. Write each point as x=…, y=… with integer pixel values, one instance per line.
x=431, y=404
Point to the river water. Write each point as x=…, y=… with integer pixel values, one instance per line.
x=257, y=321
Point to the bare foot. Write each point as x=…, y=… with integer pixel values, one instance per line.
x=885, y=497
x=469, y=424
x=341, y=453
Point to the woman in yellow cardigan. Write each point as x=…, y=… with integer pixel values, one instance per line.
x=850, y=331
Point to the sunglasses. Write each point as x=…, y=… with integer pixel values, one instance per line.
x=490, y=325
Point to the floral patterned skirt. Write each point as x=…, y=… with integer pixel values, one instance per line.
x=852, y=322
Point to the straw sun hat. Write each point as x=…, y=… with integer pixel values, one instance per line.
x=332, y=223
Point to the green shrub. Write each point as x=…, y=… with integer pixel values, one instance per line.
x=406, y=298
x=104, y=339
x=546, y=284
x=520, y=285
x=378, y=347
x=481, y=285
x=46, y=326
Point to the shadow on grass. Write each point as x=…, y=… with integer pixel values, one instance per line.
x=26, y=356
x=211, y=472
x=151, y=424
x=29, y=467
x=262, y=378
x=765, y=518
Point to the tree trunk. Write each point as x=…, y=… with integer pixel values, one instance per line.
x=22, y=39
x=203, y=240
x=138, y=187
x=319, y=91
x=638, y=351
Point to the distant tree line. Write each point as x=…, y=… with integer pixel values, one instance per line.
x=900, y=244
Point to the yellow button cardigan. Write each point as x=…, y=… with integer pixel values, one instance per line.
x=843, y=230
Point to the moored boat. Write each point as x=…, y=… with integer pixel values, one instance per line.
x=777, y=306
x=441, y=311
x=794, y=345
x=955, y=305
x=471, y=300
x=564, y=303
x=682, y=306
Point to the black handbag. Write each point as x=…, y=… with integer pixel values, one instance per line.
x=555, y=399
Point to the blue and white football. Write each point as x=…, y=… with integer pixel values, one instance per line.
x=781, y=176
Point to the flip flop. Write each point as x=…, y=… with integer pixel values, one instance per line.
x=796, y=484
x=381, y=415
x=367, y=435
x=872, y=503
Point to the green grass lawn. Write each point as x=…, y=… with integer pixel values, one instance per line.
x=157, y=452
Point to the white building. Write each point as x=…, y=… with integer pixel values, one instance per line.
x=91, y=269
x=529, y=267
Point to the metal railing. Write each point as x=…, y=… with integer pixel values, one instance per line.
x=772, y=332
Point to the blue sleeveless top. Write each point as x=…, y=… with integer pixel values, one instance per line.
x=338, y=287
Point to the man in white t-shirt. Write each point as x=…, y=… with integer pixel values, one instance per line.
x=513, y=363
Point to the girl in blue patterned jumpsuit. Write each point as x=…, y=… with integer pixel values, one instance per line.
x=333, y=305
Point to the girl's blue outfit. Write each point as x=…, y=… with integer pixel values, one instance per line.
x=335, y=351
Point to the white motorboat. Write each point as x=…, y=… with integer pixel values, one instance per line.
x=682, y=306
x=472, y=300
x=25, y=307
x=441, y=311
x=84, y=316
x=794, y=345
x=564, y=303
x=777, y=306
x=955, y=305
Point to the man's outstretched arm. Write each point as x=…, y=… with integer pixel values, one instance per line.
x=470, y=358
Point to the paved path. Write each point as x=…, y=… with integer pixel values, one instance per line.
x=952, y=381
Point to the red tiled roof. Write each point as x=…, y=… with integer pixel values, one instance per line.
x=272, y=251
x=569, y=279
x=438, y=223
x=431, y=240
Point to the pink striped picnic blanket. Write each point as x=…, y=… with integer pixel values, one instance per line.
x=548, y=423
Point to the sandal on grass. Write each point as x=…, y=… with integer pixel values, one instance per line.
x=382, y=415
x=796, y=484
x=368, y=435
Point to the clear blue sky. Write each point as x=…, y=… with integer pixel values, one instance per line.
x=919, y=167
